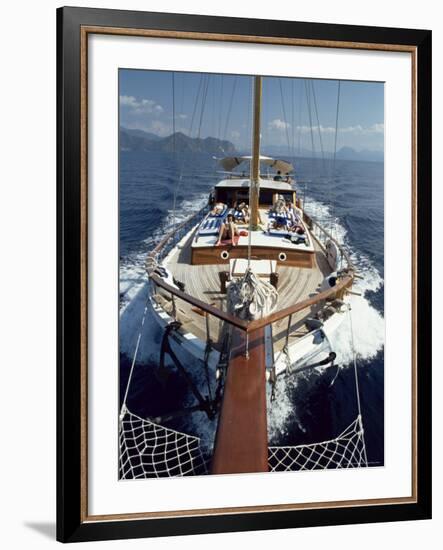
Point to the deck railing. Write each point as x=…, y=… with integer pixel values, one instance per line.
x=319, y=233
x=167, y=243
x=322, y=236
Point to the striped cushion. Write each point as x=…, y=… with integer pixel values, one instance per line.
x=210, y=226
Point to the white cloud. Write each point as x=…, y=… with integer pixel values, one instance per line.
x=377, y=128
x=128, y=100
x=142, y=106
x=155, y=126
x=235, y=134
x=308, y=129
x=358, y=129
x=278, y=124
x=160, y=128
x=182, y=116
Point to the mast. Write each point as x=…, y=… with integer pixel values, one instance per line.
x=255, y=162
x=241, y=443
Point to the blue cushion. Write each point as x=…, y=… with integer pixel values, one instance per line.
x=210, y=226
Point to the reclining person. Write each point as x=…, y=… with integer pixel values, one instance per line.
x=297, y=228
x=228, y=231
x=279, y=224
x=241, y=213
x=279, y=206
x=217, y=209
x=292, y=212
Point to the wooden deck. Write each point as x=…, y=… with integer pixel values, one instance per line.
x=203, y=282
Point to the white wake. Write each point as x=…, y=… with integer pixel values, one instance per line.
x=367, y=323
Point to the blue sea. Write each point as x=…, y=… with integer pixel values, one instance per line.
x=311, y=407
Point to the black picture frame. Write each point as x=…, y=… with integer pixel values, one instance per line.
x=71, y=523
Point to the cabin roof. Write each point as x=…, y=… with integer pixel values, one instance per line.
x=236, y=183
x=229, y=163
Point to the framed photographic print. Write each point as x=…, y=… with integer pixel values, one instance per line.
x=244, y=269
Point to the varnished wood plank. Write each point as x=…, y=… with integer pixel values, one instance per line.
x=241, y=443
x=212, y=255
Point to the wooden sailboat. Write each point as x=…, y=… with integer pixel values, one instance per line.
x=280, y=249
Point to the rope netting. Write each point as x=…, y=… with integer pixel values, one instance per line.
x=148, y=450
x=345, y=451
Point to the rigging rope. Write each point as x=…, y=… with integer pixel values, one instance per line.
x=195, y=104
x=318, y=127
x=220, y=108
x=174, y=200
x=251, y=107
x=357, y=388
x=300, y=105
x=228, y=116
x=200, y=90
x=308, y=103
x=134, y=357
x=335, y=149
x=293, y=118
x=314, y=155
x=250, y=297
x=205, y=94
x=284, y=115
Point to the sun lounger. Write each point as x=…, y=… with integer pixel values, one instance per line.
x=210, y=226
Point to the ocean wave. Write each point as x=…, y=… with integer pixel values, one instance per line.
x=362, y=331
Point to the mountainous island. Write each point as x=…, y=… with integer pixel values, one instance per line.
x=138, y=140
x=344, y=153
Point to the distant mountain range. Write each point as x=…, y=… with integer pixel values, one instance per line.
x=139, y=140
x=348, y=153
x=345, y=153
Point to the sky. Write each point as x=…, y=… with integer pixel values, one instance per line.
x=297, y=114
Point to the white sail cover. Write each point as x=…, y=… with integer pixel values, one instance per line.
x=229, y=163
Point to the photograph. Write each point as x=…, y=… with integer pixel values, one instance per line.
x=251, y=273
x=244, y=255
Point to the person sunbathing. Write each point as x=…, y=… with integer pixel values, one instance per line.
x=297, y=228
x=217, y=209
x=241, y=213
x=246, y=214
x=279, y=206
x=292, y=213
x=228, y=231
x=279, y=224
